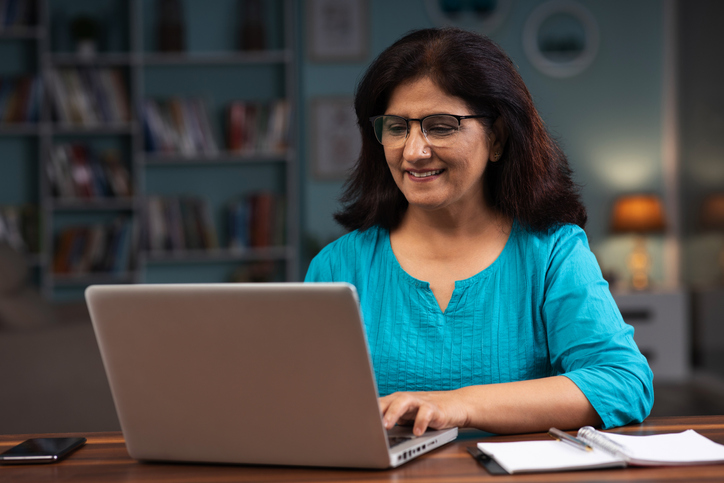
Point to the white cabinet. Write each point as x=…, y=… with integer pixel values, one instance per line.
x=708, y=324
x=661, y=323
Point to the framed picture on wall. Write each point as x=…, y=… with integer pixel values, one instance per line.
x=561, y=38
x=337, y=30
x=484, y=16
x=336, y=140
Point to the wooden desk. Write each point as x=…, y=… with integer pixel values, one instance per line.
x=104, y=458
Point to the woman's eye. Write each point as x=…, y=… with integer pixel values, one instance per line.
x=397, y=130
x=441, y=130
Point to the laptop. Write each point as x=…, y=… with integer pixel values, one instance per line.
x=268, y=374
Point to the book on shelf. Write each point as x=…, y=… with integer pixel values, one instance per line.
x=10, y=231
x=20, y=99
x=252, y=29
x=262, y=211
x=89, y=96
x=19, y=227
x=258, y=127
x=117, y=257
x=256, y=220
x=178, y=126
x=171, y=31
x=205, y=226
x=11, y=101
x=191, y=226
x=97, y=248
x=16, y=13
x=118, y=175
x=78, y=171
x=178, y=223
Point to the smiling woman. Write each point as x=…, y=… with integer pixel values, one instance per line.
x=484, y=306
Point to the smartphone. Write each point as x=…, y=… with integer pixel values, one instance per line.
x=41, y=450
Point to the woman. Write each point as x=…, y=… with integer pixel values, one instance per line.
x=483, y=304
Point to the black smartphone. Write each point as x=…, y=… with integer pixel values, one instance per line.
x=41, y=450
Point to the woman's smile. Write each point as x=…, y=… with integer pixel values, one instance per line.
x=424, y=175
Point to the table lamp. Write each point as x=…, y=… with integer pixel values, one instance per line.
x=641, y=215
x=712, y=219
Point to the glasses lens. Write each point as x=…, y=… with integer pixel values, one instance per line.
x=391, y=131
x=440, y=130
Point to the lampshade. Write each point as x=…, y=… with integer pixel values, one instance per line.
x=638, y=214
x=712, y=212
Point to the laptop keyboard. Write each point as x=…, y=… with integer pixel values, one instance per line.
x=395, y=440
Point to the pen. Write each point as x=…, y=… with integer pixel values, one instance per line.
x=567, y=438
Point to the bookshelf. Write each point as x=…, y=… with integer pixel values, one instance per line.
x=93, y=106
x=21, y=50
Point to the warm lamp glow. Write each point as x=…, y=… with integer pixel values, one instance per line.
x=712, y=218
x=712, y=212
x=638, y=214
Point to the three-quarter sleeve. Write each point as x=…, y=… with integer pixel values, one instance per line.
x=588, y=340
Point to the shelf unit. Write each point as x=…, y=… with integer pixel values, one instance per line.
x=18, y=141
x=153, y=173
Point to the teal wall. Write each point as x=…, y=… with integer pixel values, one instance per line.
x=608, y=118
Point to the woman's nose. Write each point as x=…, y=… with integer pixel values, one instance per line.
x=416, y=144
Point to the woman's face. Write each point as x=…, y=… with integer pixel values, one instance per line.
x=433, y=178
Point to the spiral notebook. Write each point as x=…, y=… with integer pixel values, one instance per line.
x=609, y=451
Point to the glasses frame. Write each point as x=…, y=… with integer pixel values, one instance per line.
x=421, y=120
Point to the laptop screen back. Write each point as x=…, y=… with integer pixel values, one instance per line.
x=240, y=373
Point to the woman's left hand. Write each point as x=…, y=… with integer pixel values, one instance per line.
x=437, y=410
x=510, y=407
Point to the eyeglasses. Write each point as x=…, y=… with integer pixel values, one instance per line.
x=439, y=129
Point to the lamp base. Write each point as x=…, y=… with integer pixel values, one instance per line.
x=639, y=264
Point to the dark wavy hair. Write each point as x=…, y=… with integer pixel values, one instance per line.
x=532, y=180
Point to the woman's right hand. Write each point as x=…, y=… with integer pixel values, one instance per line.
x=436, y=410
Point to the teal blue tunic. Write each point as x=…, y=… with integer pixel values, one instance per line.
x=541, y=309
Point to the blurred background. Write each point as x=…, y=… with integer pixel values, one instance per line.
x=166, y=141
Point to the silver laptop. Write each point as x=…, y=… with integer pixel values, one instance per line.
x=274, y=374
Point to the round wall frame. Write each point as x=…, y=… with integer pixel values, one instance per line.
x=561, y=38
x=483, y=16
